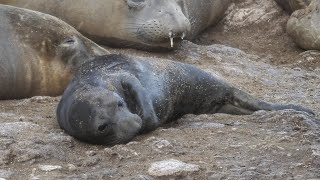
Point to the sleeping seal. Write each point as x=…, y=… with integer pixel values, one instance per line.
x=113, y=98
x=39, y=53
x=146, y=24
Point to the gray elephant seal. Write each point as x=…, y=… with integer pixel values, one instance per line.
x=113, y=98
x=39, y=53
x=146, y=24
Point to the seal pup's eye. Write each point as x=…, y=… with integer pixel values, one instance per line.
x=120, y=104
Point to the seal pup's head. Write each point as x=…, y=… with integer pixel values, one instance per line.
x=97, y=115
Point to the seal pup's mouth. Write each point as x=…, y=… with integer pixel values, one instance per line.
x=173, y=35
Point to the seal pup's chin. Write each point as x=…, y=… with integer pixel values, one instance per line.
x=131, y=124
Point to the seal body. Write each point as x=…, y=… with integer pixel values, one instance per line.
x=38, y=53
x=147, y=24
x=115, y=97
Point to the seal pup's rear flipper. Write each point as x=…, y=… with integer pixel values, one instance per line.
x=243, y=103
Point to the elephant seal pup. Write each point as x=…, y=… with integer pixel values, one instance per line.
x=39, y=53
x=113, y=98
x=146, y=24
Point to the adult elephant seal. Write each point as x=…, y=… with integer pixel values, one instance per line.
x=115, y=97
x=147, y=24
x=304, y=26
x=39, y=53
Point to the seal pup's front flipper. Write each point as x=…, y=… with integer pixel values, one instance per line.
x=137, y=97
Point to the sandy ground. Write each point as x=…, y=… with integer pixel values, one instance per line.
x=251, y=50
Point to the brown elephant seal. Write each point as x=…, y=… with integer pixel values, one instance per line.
x=146, y=24
x=293, y=5
x=39, y=53
x=304, y=26
x=114, y=97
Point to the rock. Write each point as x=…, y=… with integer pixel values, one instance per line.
x=304, y=28
x=48, y=168
x=102, y=173
x=122, y=151
x=71, y=167
x=316, y=150
x=161, y=144
x=204, y=125
x=90, y=161
x=5, y=174
x=91, y=153
x=171, y=167
x=250, y=12
x=140, y=177
x=132, y=143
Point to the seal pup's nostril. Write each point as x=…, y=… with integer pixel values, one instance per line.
x=103, y=127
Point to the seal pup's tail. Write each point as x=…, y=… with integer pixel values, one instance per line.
x=242, y=103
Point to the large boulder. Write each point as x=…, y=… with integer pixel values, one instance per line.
x=304, y=27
